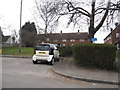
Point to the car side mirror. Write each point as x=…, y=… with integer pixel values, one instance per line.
x=56, y=48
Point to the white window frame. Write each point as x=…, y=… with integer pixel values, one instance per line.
x=63, y=45
x=82, y=40
x=48, y=39
x=64, y=40
x=117, y=35
x=72, y=40
x=55, y=40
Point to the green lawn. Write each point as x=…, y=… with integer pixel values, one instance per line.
x=15, y=51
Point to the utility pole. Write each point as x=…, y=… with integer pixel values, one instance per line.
x=20, y=39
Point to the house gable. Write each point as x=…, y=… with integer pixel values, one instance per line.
x=7, y=39
x=113, y=37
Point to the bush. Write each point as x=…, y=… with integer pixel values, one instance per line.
x=65, y=51
x=95, y=55
x=118, y=54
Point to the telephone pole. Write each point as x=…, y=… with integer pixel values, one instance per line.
x=20, y=39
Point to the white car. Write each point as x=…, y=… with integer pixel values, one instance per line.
x=45, y=52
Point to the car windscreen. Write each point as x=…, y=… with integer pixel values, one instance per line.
x=42, y=47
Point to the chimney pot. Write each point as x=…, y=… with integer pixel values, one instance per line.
x=78, y=31
x=61, y=32
x=116, y=24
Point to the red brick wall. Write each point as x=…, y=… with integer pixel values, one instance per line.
x=68, y=42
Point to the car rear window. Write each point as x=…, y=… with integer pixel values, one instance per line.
x=42, y=47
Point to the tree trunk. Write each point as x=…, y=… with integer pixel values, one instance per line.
x=92, y=17
x=45, y=30
x=91, y=34
x=45, y=33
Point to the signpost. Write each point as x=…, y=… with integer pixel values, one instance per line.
x=93, y=39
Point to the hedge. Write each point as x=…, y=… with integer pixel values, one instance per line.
x=95, y=55
x=65, y=51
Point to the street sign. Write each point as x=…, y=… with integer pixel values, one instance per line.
x=93, y=39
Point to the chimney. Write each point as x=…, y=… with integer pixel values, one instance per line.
x=50, y=32
x=78, y=31
x=61, y=32
x=116, y=24
x=111, y=29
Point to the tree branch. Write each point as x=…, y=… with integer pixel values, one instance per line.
x=102, y=21
x=78, y=9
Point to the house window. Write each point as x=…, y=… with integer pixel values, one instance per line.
x=72, y=40
x=72, y=44
x=63, y=45
x=117, y=35
x=55, y=40
x=64, y=40
x=47, y=39
x=82, y=40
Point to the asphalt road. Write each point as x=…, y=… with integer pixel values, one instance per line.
x=22, y=73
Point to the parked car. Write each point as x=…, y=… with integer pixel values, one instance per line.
x=45, y=52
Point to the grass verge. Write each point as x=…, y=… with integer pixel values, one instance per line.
x=15, y=51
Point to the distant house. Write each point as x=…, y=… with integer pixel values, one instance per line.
x=7, y=41
x=63, y=39
x=114, y=36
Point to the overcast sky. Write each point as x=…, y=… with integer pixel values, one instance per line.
x=10, y=14
x=10, y=17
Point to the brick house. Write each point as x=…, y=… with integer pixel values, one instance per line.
x=114, y=36
x=63, y=39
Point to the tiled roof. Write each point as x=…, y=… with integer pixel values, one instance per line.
x=5, y=38
x=61, y=36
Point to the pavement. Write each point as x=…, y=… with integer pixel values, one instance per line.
x=65, y=67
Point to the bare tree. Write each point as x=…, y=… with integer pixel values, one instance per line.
x=15, y=35
x=94, y=13
x=47, y=16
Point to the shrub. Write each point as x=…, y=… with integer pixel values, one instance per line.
x=118, y=54
x=95, y=55
x=65, y=51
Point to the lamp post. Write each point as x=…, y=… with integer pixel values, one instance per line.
x=20, y=39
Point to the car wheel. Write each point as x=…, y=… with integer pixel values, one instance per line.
x=34, y=62
x=52, y=61
x=58, y=59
